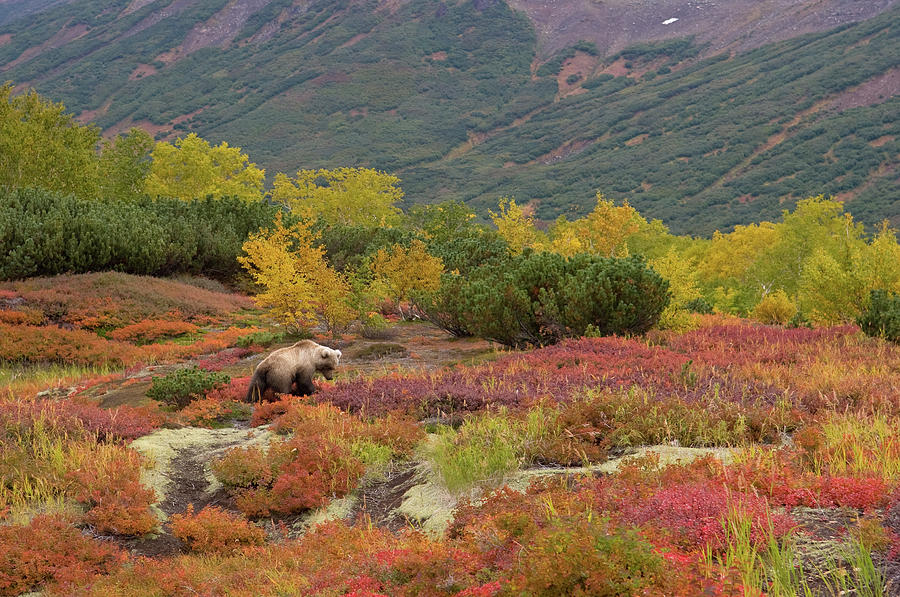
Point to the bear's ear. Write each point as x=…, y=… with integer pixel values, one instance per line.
x=337, y=353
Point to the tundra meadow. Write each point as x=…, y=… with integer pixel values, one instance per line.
x=589, y=407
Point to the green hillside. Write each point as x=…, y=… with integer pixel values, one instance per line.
x=697, y=147
x=443, y=94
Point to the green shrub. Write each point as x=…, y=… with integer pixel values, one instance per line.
x=541, y=298
x=260, y=339
x=183, y=385
x=444, y=307
x=882, y=317
x=43, y=233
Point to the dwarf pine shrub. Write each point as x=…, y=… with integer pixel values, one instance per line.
x=541, y=298
x=183, y=385
x=882, y=317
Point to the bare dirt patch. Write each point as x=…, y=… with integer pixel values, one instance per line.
x=353, y=40
x=61, y=38
x=581, y=65
x=567, y=149
x=637, y=140
x=616, y=68
x=874, y=91
x=726, y=25
x=5, y=38
x=91, y=115
x=141, y=71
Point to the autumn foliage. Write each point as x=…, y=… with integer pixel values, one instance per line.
x=213, y=530
x=50, y=553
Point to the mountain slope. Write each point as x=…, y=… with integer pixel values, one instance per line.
x=473, y=100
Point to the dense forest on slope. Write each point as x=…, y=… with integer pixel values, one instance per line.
x=450, y=96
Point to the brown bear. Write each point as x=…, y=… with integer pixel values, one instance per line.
x=293, y=365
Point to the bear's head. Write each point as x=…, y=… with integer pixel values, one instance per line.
x=327, y=360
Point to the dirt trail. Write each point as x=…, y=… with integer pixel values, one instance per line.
x=178, y=471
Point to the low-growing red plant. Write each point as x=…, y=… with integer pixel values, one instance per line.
x=234, y=391
x=50, y=553
x=779, y=476
x=76, y=419
x=213, y=530
x=691, y=515
x=121, y=423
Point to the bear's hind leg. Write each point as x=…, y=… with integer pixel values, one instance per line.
x=305, y=386
x=280, y=383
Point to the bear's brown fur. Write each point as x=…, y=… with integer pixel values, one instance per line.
x=293, y=365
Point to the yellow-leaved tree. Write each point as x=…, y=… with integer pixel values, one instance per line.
x=300, y=288
x=43, y=146
x=192, y=169
x=835, y=290
x=352, y=196
x=681, y=272
x=604, y=231
x=515, y=225
x=732, y=269
x=400, y=271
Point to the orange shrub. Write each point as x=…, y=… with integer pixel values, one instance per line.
x=152, y=329
x=209, y=343
x=108, y=483
x=50, y=553
x=37, y=344
x=293, y=475
x=207, y=412
x=214, y=530
x=22, y=317
x=203, y=412
x=266, y=412
x=398, y=432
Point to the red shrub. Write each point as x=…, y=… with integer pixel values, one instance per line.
x=691, y=515
x=862, y=493
x=120, y=423
x=234, y=391
x=214, y=530
x=782, y=480
x=49, y=552
x=74, y=419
